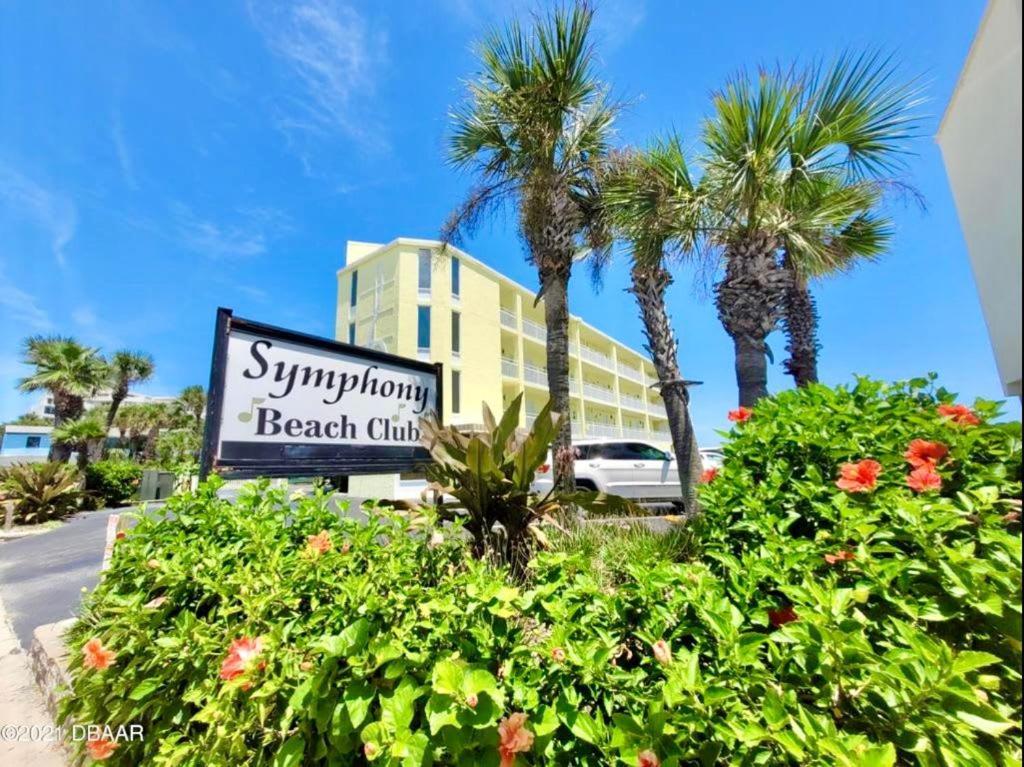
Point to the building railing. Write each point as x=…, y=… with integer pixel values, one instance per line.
x=508, y=319
x=632, y=433
x=509, y=367
x=574, y=386
x=632, y=402
x=536, y=375
x=534, y=330
x=602, y=429
x=630, y=372
x=658, y=410
x=593, y=355
x=599, y=393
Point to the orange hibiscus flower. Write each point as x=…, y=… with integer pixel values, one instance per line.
x=840, y=556
x=740, y=415
x=100, y=748
x=921, y=452
x=860, y=477
x=708, y=474
x=513, y=738
x=924, y=479
x=97, y=656
x=320, y=543
x=241, y=654
x=959, y=414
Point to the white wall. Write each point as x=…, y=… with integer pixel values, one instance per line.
x=980, y=138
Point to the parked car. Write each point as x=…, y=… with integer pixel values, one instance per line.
x=635, y=470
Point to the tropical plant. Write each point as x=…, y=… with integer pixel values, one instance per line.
x=192, y=401
x=126, y=369
x=532, y=128
x=141, y=424
x=67, y=370
x=41, y=491
x=175, y=447
x=82, y=435
x=113, y=482
x=782, y=180
x=654, y=204
x=490, y=474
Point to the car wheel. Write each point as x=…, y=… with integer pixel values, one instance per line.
x=586, y=484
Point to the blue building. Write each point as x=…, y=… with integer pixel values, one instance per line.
x=25, y=443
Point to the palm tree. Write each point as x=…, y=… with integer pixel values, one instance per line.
x=788, y=205
x=154, y=416
x=81, y=434
x=69, y=371
x=654, y=204
x=127, y=368
x=534, y=123
x=854, y=121
x=192, y=401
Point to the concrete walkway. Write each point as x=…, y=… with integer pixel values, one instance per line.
x=21, y=709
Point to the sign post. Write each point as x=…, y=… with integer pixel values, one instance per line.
x=283, y=403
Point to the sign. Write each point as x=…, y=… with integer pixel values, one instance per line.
x=283, y=403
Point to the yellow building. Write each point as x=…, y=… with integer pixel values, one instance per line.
x=413, y=298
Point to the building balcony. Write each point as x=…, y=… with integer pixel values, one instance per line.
x=598, y=358
x=598, y=393
x=535, y=375
x=508, y=319
x=574, y=386
x=632, y=433
x=631, y=402
x=632, y=373
x=534, y=330
x=602, y=429
x=656, y=410
x=509, y=367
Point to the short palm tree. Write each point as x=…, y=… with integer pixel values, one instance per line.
x=653, y=203
x=69, y=371
x=534, y=125
x=192, y=402
x=127, y=368
x=83, y=434
x=792, y=171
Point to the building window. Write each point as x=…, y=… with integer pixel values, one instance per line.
x=33, y=441
x=425, y=269
x=352, y=332
x=423, y=327
x=456, y=332
x=355, y=288
x=456, y=393
x=455, y=276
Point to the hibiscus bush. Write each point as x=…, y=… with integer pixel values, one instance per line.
x=835, y=616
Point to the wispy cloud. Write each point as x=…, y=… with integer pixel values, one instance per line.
x=336, y=57
x=49, y=210
x=124, y=155
x=22, y=308
x=246, y=237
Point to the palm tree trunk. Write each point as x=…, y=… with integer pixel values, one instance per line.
x=66, y=407
x=149, y=451
x=649, y=286
x=556, y=317
x=749, y=300
x=800, y=321
x=117, y=396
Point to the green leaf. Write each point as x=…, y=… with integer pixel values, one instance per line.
x=350, y=641
x=969, y=660
x=358, y=697
x=145, y=688
x=448, y=677
x=291, y=752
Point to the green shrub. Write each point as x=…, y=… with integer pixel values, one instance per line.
x=114, y=482
x=41, y=491
x=383, y=641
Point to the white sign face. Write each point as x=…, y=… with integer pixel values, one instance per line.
x=279, y=391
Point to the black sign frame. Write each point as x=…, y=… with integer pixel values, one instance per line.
x=298, y=459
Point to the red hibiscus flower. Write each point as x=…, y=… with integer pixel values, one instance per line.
x=708, y=474
x=782, y=616
x=240, y=655
x=96, y=656
x=921, y=452
x=840, y=556
x=100, y=748
x=647, y=759
x=740, y=415
x=959, y=414
x=860, y=477
x=320, y=543
x=662, y=652
x=513, y=738
x=924, y=479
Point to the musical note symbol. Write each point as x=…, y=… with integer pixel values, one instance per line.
x=244, y=416
x=396, y=416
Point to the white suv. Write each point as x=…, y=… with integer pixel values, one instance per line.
x=635, y=470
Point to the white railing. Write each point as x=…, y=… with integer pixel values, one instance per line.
x=593, y=355
x=602, y=429
x=577, y=430
x=574, y=386
x=534, y=330
x=633, y=403
x=574, y=348
x=627, y=371
x=509, y=367
x=635, y=433
x=599, y=393
x=658, y=410
x=508, y=319
x=662, y=434
x=536, y=375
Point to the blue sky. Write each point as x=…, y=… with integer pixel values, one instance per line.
x=159, y=160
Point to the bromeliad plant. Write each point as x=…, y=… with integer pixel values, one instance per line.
x=490, y=475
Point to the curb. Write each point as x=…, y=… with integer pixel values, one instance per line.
x=47, y=657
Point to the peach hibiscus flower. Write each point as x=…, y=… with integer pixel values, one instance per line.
x=647, y=759
x=100, y=748
x=513, y=738
x=708, y=475
x=959, y=414
x=921, y=452
x=924, y=479
x=97, y=656
x=240, y=656
x=740, y=415
x=320, y=543
x=859, y=477
x=840, y=556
